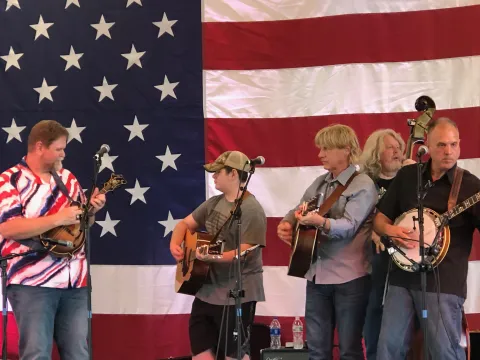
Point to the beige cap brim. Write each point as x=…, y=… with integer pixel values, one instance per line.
x=213, y=167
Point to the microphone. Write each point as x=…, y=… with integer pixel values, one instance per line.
x=245, y=252
x=259, y=160
x=103, y=149
x=422, y=150
x=58, y=242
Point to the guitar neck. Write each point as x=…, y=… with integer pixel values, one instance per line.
x=464, y=205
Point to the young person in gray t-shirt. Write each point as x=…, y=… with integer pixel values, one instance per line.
x=230, y=171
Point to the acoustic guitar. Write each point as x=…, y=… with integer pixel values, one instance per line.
x=192, y=273
x=304, y=241
x=305, y=237
x=74, y=233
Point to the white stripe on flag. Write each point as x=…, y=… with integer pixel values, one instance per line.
x=341, y=89
x=271, y=10
x=148, y=290
x=280, y=189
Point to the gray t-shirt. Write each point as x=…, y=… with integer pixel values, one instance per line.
x=211, y=215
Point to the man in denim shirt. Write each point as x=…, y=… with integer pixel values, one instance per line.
x=338, y=282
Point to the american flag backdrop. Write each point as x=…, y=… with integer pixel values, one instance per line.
x=171, y=84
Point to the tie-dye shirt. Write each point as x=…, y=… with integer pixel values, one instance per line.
x=24, y=194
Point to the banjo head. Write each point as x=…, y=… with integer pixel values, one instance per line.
x=432, y=222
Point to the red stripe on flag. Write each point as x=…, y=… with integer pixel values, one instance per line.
x=276, y=253
x=288, y=142
x=357, y=38
x=140, y=334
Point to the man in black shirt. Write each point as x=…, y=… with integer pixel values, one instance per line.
x=381, y=159
x=445, y=301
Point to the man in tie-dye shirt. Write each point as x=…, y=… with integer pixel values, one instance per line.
x=48, y=294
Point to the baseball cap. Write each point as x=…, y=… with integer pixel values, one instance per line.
x=234, y=159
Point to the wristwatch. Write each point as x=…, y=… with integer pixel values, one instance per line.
x=321, y=227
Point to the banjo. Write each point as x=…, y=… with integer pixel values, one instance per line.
x=436, y=235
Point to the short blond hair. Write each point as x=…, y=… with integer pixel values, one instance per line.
x=374, y=146
x=339, y=136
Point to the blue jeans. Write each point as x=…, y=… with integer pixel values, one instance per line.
x=373, y=320
x=443, y=328
x=342, y=305
x=43, y=314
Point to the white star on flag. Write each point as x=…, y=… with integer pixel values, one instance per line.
x=14, y=131
x=133, y=57
x=137, y=192
x=105, y=90
x=107, y=161
x=12, y=59
x=11, y=3
x=165, y=25
x=136, y=130
x=169, y=224
x=108, y=225
x=45, y=91
x=167, y=88
x=168, y=159
x=70, y=2
x=130, y=2
x=41, y=28
x=103, y=28
x=72, y=59
x=74, y=132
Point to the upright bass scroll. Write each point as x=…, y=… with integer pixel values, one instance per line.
x=418, y=126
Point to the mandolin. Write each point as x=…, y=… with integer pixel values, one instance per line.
x=74, y=233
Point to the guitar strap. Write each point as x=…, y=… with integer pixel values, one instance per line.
x=328, y=203
x=33, y=243
x=61, y=186
x=457, y=180
x=247, y=194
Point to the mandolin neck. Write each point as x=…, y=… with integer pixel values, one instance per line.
x=103, y=191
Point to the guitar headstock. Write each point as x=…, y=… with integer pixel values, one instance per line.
x=310, y=205
x=114, y=182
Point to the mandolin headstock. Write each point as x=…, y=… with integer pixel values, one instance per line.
x=115, y=181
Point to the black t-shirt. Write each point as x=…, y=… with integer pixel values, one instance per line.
x=401, y=197
x=384, y=183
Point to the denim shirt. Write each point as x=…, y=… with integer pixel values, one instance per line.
x=345, y=255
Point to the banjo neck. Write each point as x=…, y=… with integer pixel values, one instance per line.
x=464, y=205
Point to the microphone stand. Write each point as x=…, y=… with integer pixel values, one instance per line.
x=3, y=265
x=85, y=227
x=238, y=292
x=423, y=268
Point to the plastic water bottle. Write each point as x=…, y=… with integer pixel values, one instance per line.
x=275, y=334
x=297, y=330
